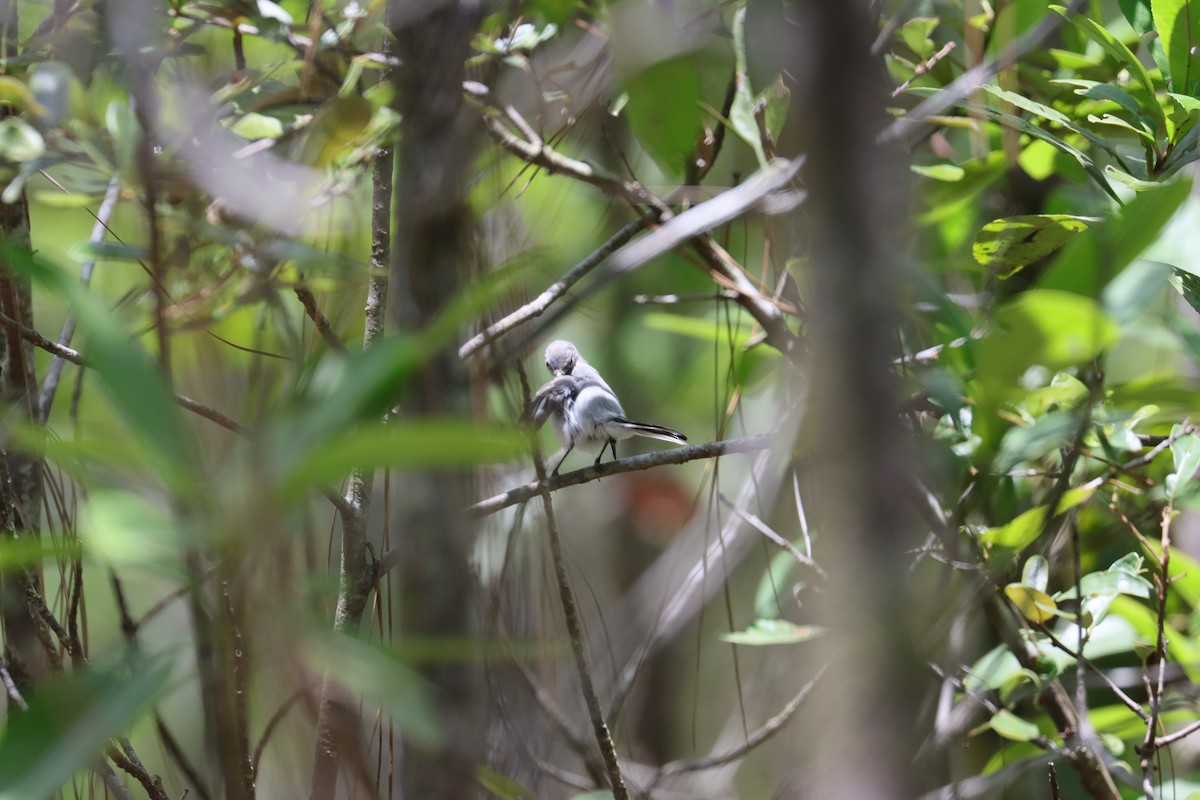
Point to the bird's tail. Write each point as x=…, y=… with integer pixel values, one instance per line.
x=653, y=431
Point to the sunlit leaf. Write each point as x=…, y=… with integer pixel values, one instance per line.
x=1178, y=25
x=1014, y=242
x=1026, y=527
x=257, y=126
x=1036, y=606
x=1010, y=726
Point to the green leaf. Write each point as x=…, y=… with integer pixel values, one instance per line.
x=1096, y=255
x=502, y=786
x=401, y=444
x=1117, y=50
x=383, y=678
x=1139, y=15
x=20, y=141
x=1035, y=605
x=1010, y=726
x=131, y=379
x=123, y=528
x=1048, y=328
x=1015, y=242
x=1036, y=573
x=940, y=172
x=915, y=33
x=69, y=722
x=273, y=11
x=1020, y=444
x=257, y=126
x=1025, y=528
x=1055, y=116
x=773, y=631
x=1186, y=452
x=664, y=110
x=1178, y=24
x=1094, y=90
x=1025, y=126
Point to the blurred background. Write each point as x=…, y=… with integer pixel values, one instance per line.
x=918, y=281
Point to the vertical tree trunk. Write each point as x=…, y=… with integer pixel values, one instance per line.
x=21, y=494
x=869, y=700
x=429, y=256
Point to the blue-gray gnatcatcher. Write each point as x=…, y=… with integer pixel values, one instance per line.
x=583, y=407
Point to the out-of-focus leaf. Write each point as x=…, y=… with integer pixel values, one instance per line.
x=68, y=723
x=57, y=199
x=940, y=172
x=91, y=251
x=336, y=125
x=502, y=786
x=384, y=679
x=664, y=110
x=741, y=113
x=137, y=389
x=1134, y=288
x=1010, y=726
x=1036, y=606
x=1186, y=452
x=403, y=445
x=773, y=631
x=53, y=84
x=1036, y=573
x=20, y=141
x=1178, y=24
x=257, y=126
x=271, y=10
x=698, y=328
x=1050, y=432
x=30, y=551
x=1048, y=328
x=123, y=528
x=1024, y=529
x=1015, y=242
x=915, y=33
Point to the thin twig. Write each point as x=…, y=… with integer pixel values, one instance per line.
x=556, y=290
x=54, y=371
x=521, y=494
x=766, y=531
x=574, y=627
x=321, y=322
x=762, y=734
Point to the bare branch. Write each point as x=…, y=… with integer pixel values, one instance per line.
x=555, y=291
x=768, y=729
x=521, y=494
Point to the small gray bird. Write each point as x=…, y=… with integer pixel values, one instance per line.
x=583, y=407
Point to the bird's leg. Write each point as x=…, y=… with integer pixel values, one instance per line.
x=566, y=452
x=610, y=443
